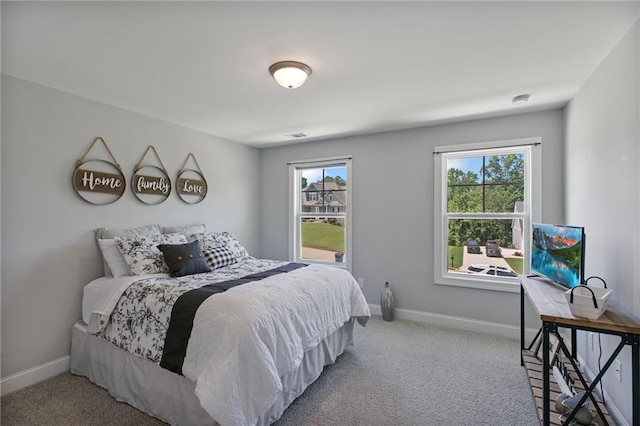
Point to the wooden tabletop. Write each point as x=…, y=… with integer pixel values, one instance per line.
x=549, y=301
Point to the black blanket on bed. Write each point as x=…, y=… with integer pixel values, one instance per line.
x=184, y=310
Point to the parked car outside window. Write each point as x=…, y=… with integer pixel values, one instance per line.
x=493, y=249
x=500, y=271
x=473, y=247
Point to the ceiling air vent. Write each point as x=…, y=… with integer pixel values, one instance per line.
x=297, y=135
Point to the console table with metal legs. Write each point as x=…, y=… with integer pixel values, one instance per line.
x=549, y=302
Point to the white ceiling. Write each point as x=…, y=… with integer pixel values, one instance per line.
x=377, y=66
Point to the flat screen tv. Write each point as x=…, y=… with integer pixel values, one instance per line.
x=557, y=253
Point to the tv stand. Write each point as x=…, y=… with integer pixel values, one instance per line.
x=549, y=302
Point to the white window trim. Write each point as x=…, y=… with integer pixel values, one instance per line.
x=295, y=247
x=533, y=188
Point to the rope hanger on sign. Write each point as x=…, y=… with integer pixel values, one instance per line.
x=191, y=191
x=139, y=165
x=146, y=187
x=82, y=159
x=93, y=180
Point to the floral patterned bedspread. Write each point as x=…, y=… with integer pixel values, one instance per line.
x=244, y=339
x=141, y=317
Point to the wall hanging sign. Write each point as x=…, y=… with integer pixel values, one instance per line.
x=98, y=181
x=191, y=185
x=151, y=184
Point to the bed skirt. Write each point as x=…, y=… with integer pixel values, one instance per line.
x=171, y=397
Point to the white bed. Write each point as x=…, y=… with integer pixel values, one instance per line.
x=253, y=348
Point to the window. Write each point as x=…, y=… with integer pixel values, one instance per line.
x=486, y=197
x=320, y=219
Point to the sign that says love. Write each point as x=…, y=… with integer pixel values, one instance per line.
x=192, y=187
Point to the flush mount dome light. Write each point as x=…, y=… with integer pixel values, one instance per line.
x=520, y=99
x=290, y=74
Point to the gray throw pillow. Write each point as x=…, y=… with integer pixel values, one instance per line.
x=184, y=259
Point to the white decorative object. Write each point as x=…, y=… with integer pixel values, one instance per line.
x=387, y=303
x=588, y=302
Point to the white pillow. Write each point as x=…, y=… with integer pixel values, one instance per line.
x=234, y=245
x=186, y=229
x=109, y=233
x=142, y=254
x=113, y=257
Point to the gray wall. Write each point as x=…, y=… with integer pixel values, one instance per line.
x=602, y=189
x=393, y=208
x=48, y=251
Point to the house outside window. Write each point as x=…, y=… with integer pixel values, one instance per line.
x=320, y=219
x=487, y=195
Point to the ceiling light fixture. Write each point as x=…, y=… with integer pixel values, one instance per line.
x=290, y=74
x=520, y=99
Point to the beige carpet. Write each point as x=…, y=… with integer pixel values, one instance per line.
x=398, y=373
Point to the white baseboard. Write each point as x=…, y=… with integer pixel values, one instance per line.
x=611, y=407
x=34, y=375
x=460, y=323
x=61, y=365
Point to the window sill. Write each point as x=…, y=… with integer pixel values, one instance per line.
x=506, y=285
x=319, y=262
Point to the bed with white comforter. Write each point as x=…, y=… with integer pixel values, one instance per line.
x=243, y=341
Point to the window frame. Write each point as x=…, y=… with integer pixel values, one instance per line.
x=532, y=208
x=295, y=214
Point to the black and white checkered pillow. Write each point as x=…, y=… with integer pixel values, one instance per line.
x=218, y=257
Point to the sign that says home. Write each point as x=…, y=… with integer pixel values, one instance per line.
x=92, y=181
x=192, y=187
x=151, y=185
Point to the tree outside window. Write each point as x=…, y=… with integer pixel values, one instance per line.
x=483, y=196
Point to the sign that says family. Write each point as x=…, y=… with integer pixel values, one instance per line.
x=151, y=185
